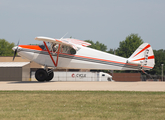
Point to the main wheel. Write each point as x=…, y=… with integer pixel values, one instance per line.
x=50, y=76
x=41, y=75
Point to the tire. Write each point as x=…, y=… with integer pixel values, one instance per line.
x=50, y=76
x=41, y=75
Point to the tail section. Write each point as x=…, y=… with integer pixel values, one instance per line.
x=143, y=56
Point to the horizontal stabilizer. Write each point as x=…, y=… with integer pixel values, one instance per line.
x=134, y=62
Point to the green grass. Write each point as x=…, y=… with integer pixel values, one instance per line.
x=81, y=105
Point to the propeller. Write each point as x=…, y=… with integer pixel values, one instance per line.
x=15, y=52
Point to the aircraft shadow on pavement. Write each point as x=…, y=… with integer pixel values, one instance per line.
x=22, y=82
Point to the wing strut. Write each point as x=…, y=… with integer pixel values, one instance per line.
x=55, y=63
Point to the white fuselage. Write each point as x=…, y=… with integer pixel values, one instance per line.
x=85, y=58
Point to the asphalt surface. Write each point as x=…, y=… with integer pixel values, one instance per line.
x=83, y=86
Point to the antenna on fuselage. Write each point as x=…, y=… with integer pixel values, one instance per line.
x=64, y=35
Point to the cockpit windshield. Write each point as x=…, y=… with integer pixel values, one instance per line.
x=42, y=46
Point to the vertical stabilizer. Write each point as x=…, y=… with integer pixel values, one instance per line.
x=143, y=56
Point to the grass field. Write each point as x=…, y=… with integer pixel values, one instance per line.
x=81, y=105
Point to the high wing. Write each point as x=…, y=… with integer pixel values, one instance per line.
x=64, y=41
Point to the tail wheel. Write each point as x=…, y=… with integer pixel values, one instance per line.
x=50, y=76
x=41, y=75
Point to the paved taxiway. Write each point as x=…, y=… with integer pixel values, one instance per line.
x=84, y=86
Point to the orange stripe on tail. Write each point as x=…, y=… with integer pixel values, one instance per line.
x=142, y=50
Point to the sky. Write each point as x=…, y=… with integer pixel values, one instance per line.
x=106, y=21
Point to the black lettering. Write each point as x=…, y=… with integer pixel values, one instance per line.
x=80, y=75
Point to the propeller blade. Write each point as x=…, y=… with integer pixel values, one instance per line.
x=15, y=52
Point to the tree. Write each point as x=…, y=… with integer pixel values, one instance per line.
x=111, y=51
x=6, y=48
x=97, y=45
x=159, y=59
x=129, y=45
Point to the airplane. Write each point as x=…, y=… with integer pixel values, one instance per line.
x=68, y=53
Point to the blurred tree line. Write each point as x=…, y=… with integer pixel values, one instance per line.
x=6, y=48
x=126, y=48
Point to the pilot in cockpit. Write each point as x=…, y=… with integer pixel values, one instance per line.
x=54, y=47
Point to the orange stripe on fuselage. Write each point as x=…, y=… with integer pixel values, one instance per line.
x=101, y=59
x=36, y=47
x=33, y=47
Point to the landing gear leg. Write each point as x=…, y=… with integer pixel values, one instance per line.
x=147, y=74
x=50, y=75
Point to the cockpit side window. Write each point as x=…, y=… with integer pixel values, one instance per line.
x=72, y=51
x=63, y=49
x=67, y=50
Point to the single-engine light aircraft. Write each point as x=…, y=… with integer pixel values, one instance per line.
x=68, y=53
